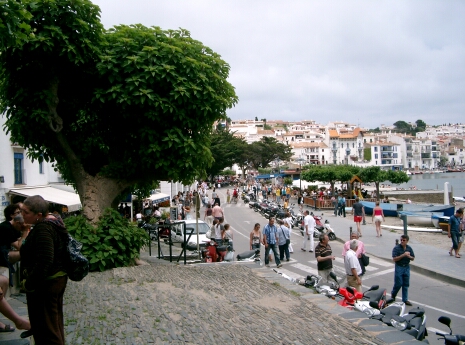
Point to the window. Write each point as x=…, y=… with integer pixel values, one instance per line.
x=18, y=168
x=376, y=156
x=41, y=167
x=376, y=148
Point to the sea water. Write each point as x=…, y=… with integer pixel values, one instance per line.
x=436, y=182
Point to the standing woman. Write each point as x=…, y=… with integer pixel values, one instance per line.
x=43, y=267
x=255, y=237
x=215, y=197
x=228, y=196
x=378, y=216
x=209, y=215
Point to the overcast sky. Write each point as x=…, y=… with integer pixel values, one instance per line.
x=363, y=62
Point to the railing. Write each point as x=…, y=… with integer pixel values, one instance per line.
x=327, y=204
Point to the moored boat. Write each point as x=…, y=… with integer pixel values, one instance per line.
x=422, y=218
x=392, y=209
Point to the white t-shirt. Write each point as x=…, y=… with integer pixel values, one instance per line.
x=310, y=221
x=218, y=228
x=351, y=261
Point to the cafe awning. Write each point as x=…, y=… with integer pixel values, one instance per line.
x=159, y=197
x=53, y=195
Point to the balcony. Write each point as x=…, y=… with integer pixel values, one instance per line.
x=426, y=155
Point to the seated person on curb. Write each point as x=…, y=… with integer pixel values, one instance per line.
x=352, y=267
x=324, y=256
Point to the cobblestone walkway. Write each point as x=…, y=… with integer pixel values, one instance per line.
x=208, y=304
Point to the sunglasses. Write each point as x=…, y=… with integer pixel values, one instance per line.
x=403, y=240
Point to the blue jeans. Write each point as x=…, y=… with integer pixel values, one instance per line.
x=284, y=249
x=455, y=239
x=275, y=252
x=401, y=280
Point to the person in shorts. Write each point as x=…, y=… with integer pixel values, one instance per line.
x=359, y=212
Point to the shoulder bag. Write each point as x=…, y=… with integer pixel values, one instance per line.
x=365, y=259
x=288, y=240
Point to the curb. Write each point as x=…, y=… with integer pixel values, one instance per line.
x=424, y=271
x=382, y=332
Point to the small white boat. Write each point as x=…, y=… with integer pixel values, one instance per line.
x=409, y=228
x=459, y=198
x=422, y=218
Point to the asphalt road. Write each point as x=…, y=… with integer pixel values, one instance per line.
x=437, y=297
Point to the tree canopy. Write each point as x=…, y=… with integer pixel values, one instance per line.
x=265, y=151
x=113, y=107
x=226, y=150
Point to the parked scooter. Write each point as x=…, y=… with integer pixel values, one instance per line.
x=413, y=322
x=449, y=338
x=327, y=230
x=214, y=252
x=320, y=228
x=250, y=255
x=353, y=298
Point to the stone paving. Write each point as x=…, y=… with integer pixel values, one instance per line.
x=201, y=304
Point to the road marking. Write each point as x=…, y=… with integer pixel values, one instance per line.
x=380, y=262
x=380, y=273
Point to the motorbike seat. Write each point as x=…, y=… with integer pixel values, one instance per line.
x=222, y=248
x=374, y=295
x=246, y=255
x=391, y=310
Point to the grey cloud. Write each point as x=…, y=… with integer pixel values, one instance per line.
x=366, y=62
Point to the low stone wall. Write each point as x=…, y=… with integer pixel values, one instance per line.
x=423, y=196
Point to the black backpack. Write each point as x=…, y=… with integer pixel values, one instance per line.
x=77, y=265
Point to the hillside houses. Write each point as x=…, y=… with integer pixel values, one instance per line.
x=343, y=143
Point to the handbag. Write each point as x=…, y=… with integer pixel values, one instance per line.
x=209, y=233
x=229, y=256
x=365, y=259
x=77, y=265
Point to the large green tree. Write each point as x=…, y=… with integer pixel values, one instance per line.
x=225, y=148
x=112, y=108
x=265, y=151
x=376, y=175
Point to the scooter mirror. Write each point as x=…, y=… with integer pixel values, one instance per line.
x=332, y=275
x=374, y=287
x=349, y=289
x=444, y=320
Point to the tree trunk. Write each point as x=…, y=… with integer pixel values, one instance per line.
x=98, y=193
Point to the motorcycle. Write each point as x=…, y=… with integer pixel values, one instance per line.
x=213, y=252
x=354, y=299
x=320, y=228
x=413, y=322
x=327, y=230
x=329, y=290
x=449, y=338
x=250, y=255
